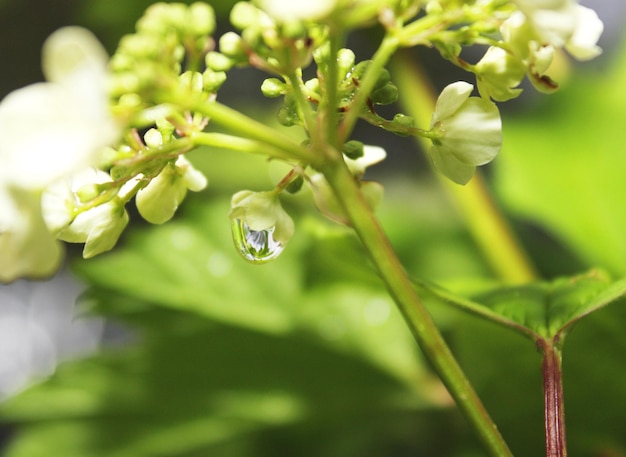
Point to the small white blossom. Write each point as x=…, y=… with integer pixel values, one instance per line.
x=498, y=74
x=98, y=227
x=564, y=23
x=60, y=201
x=371, y=156
x=159, y=200
x=582, y=44
x=297, y=10
x=27, y=248
x=53, y=129
x=49, y=130
x=468, y=132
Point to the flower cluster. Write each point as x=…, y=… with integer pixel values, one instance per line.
x=530, y=37
x=50, y=130
x=99, y=133
x=71, y=161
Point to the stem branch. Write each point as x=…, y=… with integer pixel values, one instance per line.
x=416, y=315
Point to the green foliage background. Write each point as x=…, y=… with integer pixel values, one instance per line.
x=306, y=355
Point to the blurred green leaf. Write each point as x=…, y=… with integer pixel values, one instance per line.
x=227, y=349
x=192, y=384
x=542, y=309
x=563, y=165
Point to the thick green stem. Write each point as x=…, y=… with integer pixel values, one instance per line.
x=484, y=220
x=425, y=331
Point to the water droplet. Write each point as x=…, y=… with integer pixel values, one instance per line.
x=257, y=246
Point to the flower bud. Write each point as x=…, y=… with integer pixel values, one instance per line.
x=158, y=201
x=232, y=45
x=99, y=228
x=218, y=62
x=201, y=19
x=273, y=87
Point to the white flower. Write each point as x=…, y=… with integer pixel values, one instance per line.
x=60, y=201
x=468, y=132
x=371, y=156
x=565, y=23
x=49, y=130
x=498, y=74
x=98, y=227
x=53, y=129
x=159, y=200
x=297, y=10
x=582, y=44
x=26, y=246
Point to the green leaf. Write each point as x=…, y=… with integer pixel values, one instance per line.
x=188, y=388
x=564, y=161
x=539, y=310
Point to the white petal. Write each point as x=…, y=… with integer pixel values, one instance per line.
x=451, y=167
x=450, y=99
x=582, y=44
x=293, y=10
x=474, y=134
x=26, y=246
x=69, y=50
x=371, y=156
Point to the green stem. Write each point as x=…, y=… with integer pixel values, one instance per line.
x=416, y=315
x=250, y=128
x=484, y=220
x=236, y=143
x=332, y=84
x=302, y=102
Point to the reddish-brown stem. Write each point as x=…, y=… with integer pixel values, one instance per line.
x=553, y=400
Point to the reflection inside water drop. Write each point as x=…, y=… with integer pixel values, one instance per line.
x=257, y=246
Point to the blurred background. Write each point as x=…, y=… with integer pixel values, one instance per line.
x=172, y=346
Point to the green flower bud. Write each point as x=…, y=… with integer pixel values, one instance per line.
x=385, y=95
x=213, y=80
x=244, y=15
x=232, y=45
x=273, y=87
x=353, y=149
x=345, y=61
x=218, y=62
x=201, y=19
x=192, y=80
x=153, y=138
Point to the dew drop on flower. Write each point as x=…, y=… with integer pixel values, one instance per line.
x=256, y=246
